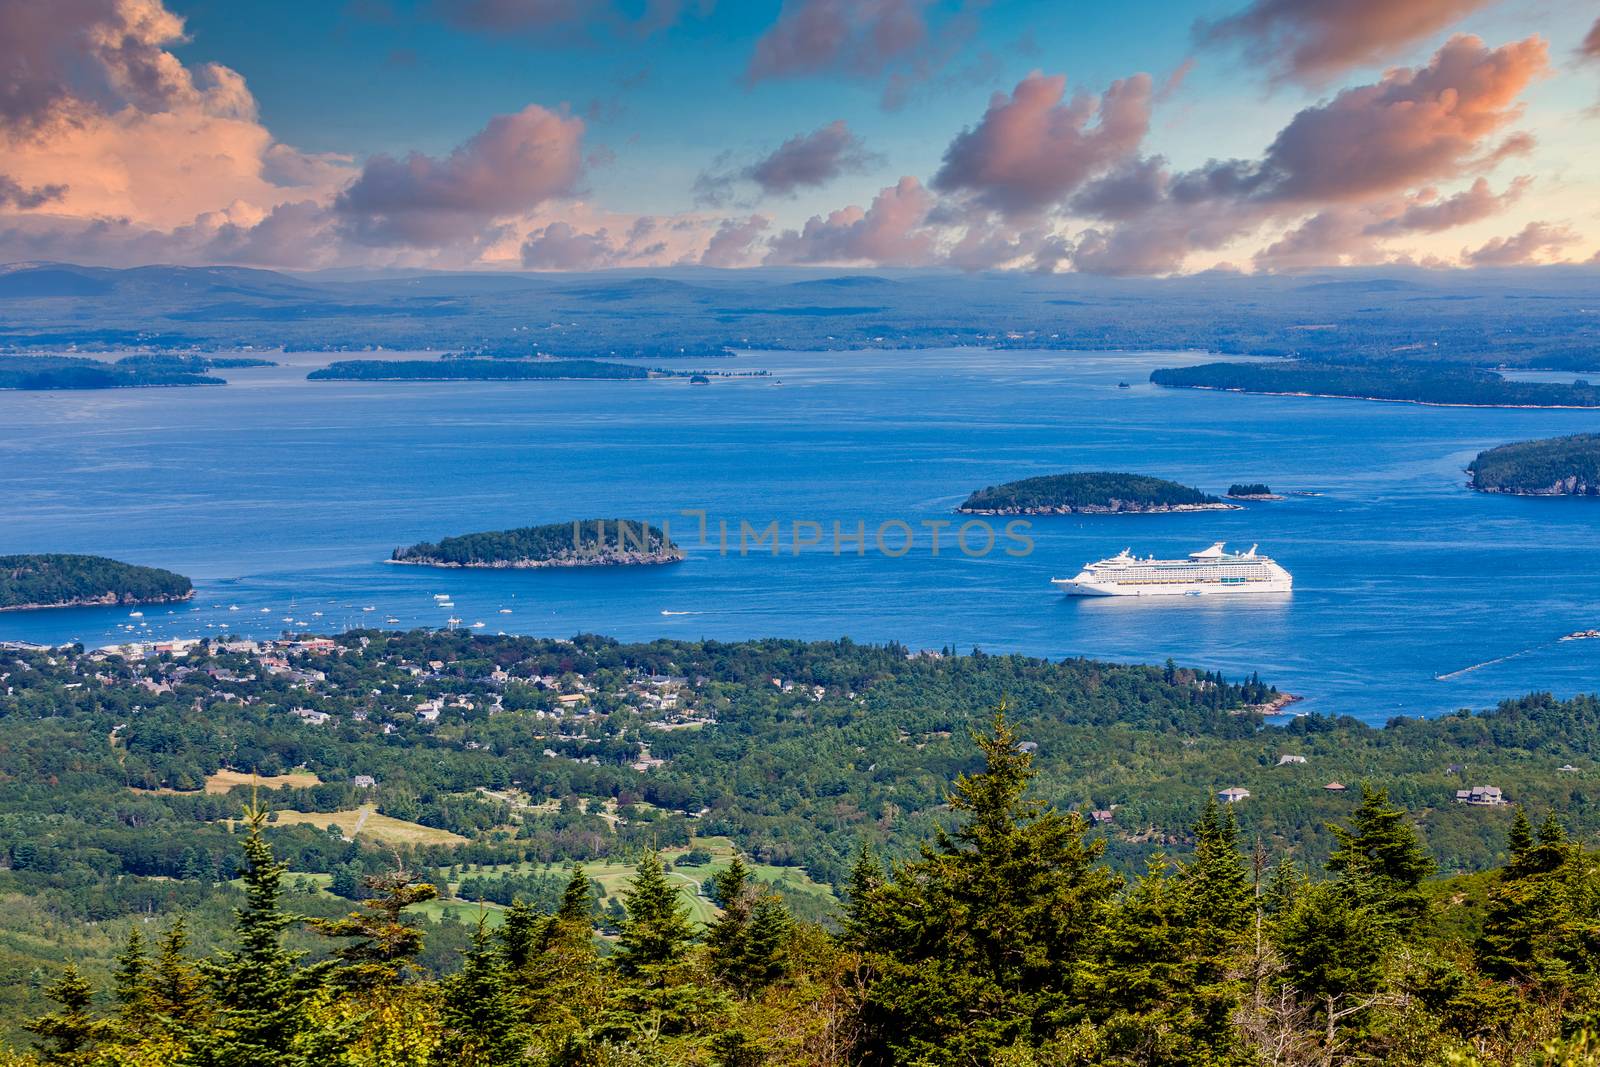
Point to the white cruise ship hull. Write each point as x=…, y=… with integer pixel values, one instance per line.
x=1074, y=587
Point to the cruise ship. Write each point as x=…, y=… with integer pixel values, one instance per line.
x=1211, y=570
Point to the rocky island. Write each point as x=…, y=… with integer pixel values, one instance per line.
x=1252, y=491
x=59, y=580
x=1090, y=493
x=1555, y=466
x=1411, y=383
x=580, y=543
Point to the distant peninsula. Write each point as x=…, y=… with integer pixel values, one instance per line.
x=45, y=373
x=478, y=370
x=58, y=580
x=1090, y=493
x=580, y=543
x=1555, y=466
x=1413, y=383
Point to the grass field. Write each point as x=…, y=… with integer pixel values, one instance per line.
x=365, y=823
x=225, y=780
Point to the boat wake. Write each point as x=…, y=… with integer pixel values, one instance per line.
x=665, y=612
x=1579, y=635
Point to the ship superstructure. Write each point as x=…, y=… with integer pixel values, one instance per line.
x=1209, y=571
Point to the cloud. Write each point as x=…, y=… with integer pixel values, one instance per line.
x=13, y=194
x=1526, y=246
x=1312, y=41
x=1590, y=48
x=890, y=232
x=805, y=160
x=545, y=16
x=857, y=37
x=560, y=247
x=733, y=245
x=1031, y=150
x=1368, y=148
x=810, y=159
x=1428, y=214
x=510, y=167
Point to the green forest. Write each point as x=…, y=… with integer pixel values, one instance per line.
x=1420, y=383
x=1092, y=491
x=1003, y=938
x=1556, y=466
x=57, y=579
x=579, y=541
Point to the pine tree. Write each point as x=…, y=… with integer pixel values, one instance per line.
x=176, y=990
x=130, y=978
x=1283, y=887
x=980, y=941
x=861, y=916
x=728, y=936
x=479, y=1013
x=1382, y=862
x=521, y=933
x=1541, y=923
x=382, y=944
x=262, y=990
x=656, y=931
x=1219, y=909
x=765, y=946
x=68, y=1034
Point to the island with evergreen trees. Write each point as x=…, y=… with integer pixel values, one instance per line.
x=480, y=370
x=62, y=580
x=580, y=543
x=44, y=373
x=1555, y=466
x=1090, y=493
x=1252, y=491
x=1413, y=383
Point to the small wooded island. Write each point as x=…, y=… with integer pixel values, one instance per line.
x=580, y=543
x=1555, y=466
x=1090, y=493
x=1413, y=383
x=1252, y=491
x=131, y=372
x=479, y=370
x=60, y=580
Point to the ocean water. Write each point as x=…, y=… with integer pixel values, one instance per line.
x=282, y=498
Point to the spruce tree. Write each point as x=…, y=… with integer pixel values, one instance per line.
x=68, y=1034
x=129, y=979
x=521, y=933
x=656, y=931
x=728, y=936
x=479, y=1012
x=1219, y=910
x=765, y=945
x=1382, y=862
x=262, y=991
x=980, y=942
x=382, y=945
x=176, y=990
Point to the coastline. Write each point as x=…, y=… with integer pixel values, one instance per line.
x=1101, y=509
x=1388, y=399
x=106, y=600
x=631, y=559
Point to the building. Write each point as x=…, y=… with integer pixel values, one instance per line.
x=1100, y=815
x=1335, y=787
x=363, y=781
x=1484, y=796
x=1234, y=795
x=1290, y=759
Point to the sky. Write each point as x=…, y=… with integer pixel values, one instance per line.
x=1147, y=138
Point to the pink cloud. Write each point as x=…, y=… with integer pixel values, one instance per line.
x=1528, y=245
x=511, y=166
x=1428, y=214
x=560, y=247
x=890, y=232
x=1590, y=49
x=857, y=37
x=733, y=245
x=13, y=194
x=543, y=16
x=1311, y=41
x=1031, y=150
x=810, y=159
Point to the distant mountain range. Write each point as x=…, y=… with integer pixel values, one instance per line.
x=1530, y=317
